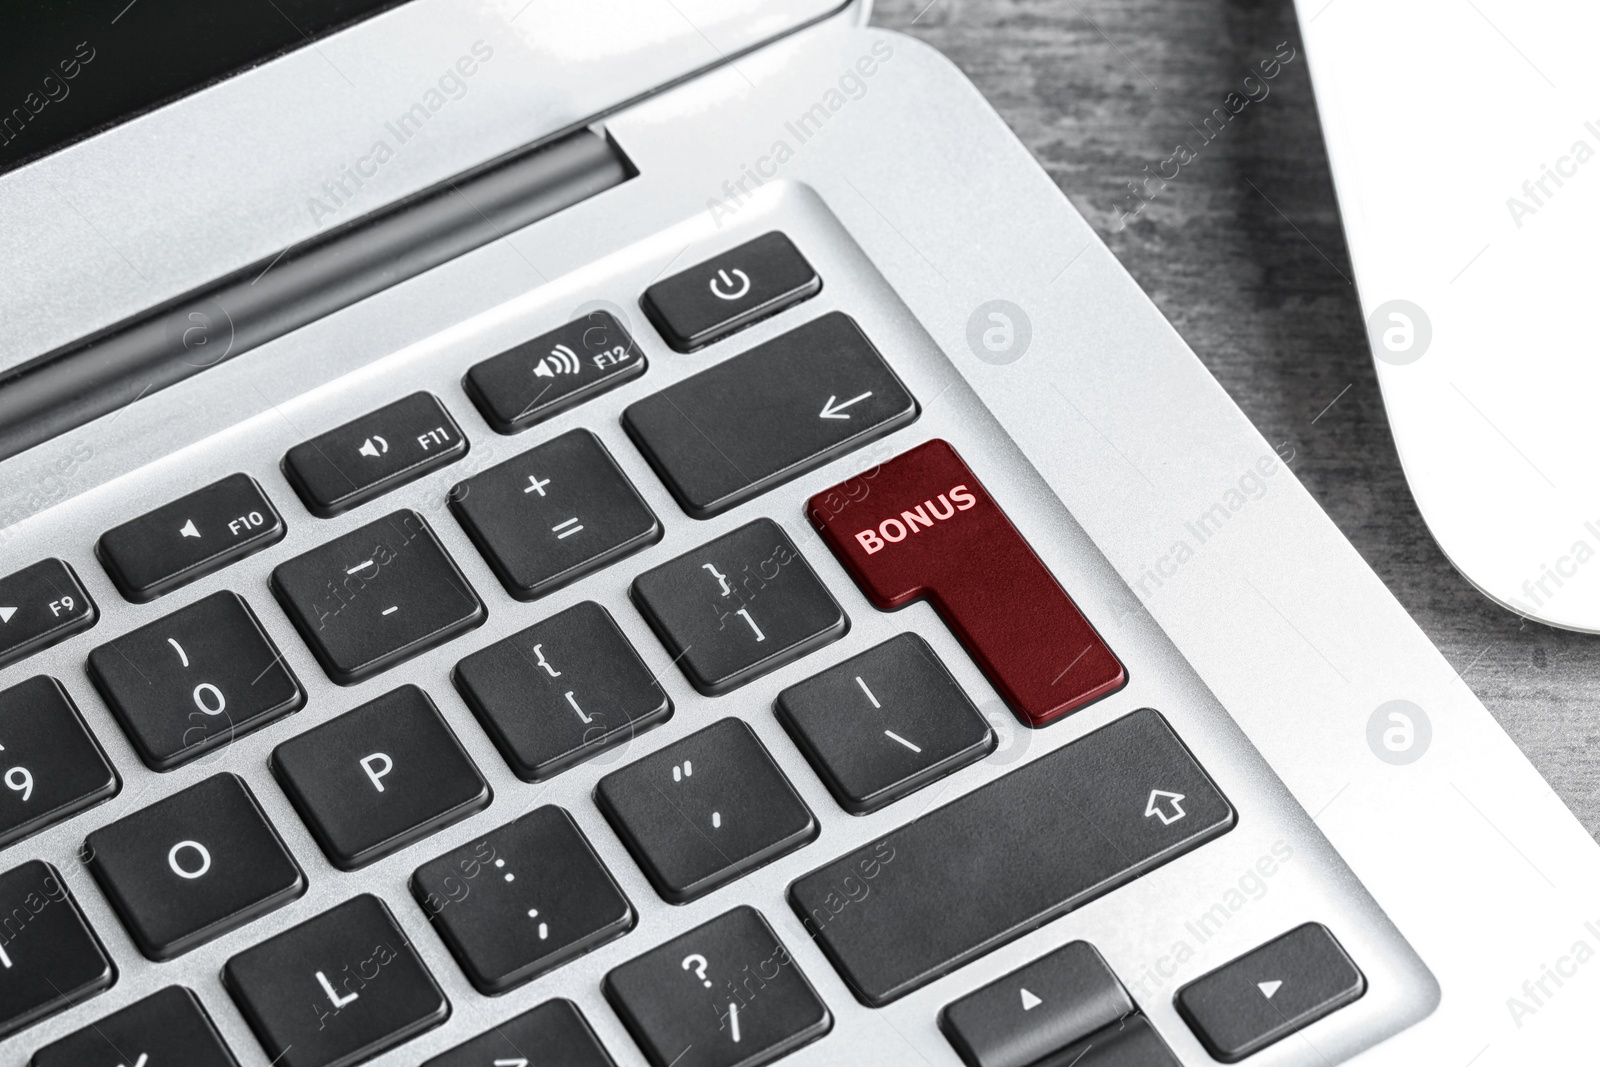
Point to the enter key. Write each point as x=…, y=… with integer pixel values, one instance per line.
x=923, y=526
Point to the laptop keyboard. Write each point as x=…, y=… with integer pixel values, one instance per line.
x=944, y=882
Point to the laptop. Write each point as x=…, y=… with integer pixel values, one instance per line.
x=653, y=534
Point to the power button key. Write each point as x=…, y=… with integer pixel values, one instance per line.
x=724, y=294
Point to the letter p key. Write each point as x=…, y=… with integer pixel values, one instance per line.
x=377, y=767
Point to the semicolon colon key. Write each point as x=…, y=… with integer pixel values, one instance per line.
x=929, y=529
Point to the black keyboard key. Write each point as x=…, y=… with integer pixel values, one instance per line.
x=50, y=958
x=705, y=810
x=192, y=867
x=336, y=990
x=40, y=605
x=555, y=1032
x=986, y=868
x=729, y=292
x=725, y=994
x=377, y=596
x=194, y=680
x=379, y=777
x=169, y=1027
x=51, y=766
x=884, y=724
x=561, y=691
x=1131, y=1043
x=769, y=415
x=555, y=513
x=189, y=538
x=1270, y=992
x=555, y=371
x=1036, y=1010
x=738, y=607
x=379, y=452
x=522, y=900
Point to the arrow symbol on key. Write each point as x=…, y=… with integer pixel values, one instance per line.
x=1269, y=988
x=832, y=410
x=6, y=613
x=1160, y=801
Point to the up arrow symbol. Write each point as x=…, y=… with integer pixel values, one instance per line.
x=1268, y=988
x=1029, y=1001
x=1167, y=807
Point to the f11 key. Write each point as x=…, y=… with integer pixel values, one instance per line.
x=918, y=533
x=369, y=456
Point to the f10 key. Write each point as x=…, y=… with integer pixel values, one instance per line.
x=189, y=538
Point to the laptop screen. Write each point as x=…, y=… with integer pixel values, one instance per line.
x=70, y=68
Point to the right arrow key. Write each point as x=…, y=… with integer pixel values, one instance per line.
x=922, y=525
x=1270, y=992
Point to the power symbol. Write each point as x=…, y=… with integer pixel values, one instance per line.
x=723, y=287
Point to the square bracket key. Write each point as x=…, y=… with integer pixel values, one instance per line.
x=739, y=607
x=561, y=691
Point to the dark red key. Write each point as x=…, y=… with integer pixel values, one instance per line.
x=922, y=525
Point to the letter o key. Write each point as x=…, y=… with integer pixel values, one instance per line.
x=178, y=869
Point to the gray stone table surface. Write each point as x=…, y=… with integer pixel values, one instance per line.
x=1244, y=253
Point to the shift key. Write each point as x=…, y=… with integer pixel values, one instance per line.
x=40, y=605
x=372, y=455
x=1006, y=858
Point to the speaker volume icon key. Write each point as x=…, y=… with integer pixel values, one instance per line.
x=561, y=360
x=373, y=447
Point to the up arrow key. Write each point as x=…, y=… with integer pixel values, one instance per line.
x=1159, y=804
